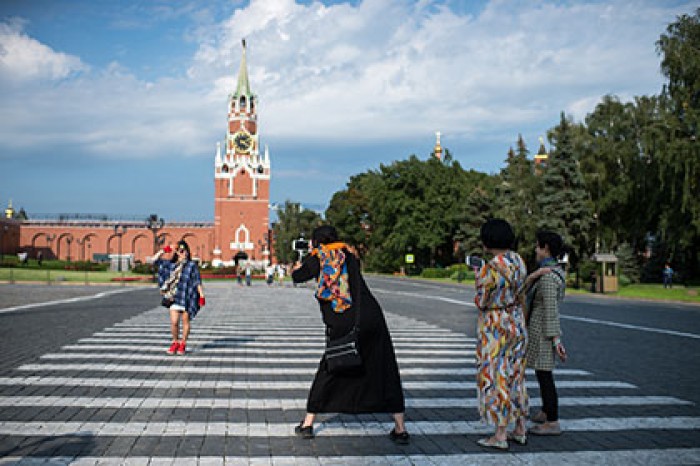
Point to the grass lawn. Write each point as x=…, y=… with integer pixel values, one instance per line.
x=654, y=291
x=73, y=276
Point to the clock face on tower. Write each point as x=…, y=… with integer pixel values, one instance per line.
x=243, y=142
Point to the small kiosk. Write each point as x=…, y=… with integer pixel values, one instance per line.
x=606, y=273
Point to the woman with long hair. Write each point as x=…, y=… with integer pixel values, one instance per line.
x=181, y=288
x=341, y=293
x=545, y=290
x=501, y=337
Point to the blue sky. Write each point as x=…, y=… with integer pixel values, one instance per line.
x=116, y=107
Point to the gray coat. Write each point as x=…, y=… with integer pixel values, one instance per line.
x=545, y=295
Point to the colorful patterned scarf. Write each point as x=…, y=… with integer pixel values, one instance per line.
x=333, y=284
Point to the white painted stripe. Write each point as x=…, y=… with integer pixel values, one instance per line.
x=252, y=348
x=198, y=356
x=632, y=327
x=115, y=382
x=235, y=328
x=300, y=403
x=65, y=301
x=243, y=336
x=515, y=458
x=290, y=347
x=426, y=296
x=236, y=370
x=331, y=429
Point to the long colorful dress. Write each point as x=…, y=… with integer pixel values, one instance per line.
x=501, y=340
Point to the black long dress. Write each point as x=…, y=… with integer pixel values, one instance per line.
x=375, y=389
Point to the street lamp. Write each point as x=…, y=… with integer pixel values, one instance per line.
x=49, y=240
x=69, y=240
x=3, y=232
x=154, y=224
x=119, y=230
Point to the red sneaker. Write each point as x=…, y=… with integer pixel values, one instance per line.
x=174, y=347
x=181, y=348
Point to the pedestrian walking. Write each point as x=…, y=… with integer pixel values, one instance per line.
x=281, y=272
x=544, y=290
x=269, y=274
x=248, y=274
x=501, y=337
x=181, y=288
x=342, y=293
x=668, y=276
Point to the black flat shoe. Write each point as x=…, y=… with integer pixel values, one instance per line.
x=304, y=432
x=400, y=439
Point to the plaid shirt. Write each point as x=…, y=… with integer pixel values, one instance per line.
x=187, y=294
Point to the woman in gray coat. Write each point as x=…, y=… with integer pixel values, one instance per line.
x=545, y=291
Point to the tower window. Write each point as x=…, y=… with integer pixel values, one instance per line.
x=241, y=103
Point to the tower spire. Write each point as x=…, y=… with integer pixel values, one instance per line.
x=243, y=87
x=437, y=150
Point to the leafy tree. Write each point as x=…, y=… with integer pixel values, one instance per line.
x=628, y=262
x=516, y=193
x=679, y=166
x=293, y=222
x=477, y=209
x=564, y=202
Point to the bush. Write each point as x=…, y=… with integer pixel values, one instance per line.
x=223, y=271
x=146, y=269
x=461, y=272
x=624, y=280
x=436, y=273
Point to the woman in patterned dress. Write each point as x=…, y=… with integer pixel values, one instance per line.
x=501, y=337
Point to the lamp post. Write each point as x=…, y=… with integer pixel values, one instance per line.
x=154, y=224
x=119, y=230
x=3, y=232
x=81, y=243
x=49, y=240
x=69, y=240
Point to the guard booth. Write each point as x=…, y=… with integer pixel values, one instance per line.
x=606, y=273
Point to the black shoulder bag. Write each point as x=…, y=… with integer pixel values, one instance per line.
x=342, y=355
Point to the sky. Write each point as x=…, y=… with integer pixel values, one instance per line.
x=116, y=107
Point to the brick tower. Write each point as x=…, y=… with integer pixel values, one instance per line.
x=241, y=181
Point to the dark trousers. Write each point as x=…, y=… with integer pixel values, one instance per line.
x=548, y=392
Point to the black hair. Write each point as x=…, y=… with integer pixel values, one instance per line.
x=325, y=234
x=497, y=234
x=553, y=241
x=182, y=244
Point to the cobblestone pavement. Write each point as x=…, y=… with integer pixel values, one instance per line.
x=112, y=395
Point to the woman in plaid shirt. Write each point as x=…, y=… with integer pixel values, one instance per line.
x=545, y=291
x=181, y=287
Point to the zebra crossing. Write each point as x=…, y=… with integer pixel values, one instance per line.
x=115, y=397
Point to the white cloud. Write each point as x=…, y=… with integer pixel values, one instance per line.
x=23, y=58
x=386, y=69
x=379, y=71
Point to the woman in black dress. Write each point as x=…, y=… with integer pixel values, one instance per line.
x=376, y=388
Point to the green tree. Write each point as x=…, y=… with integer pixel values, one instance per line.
x=477, y=209
x=564, y=202
x=679, y=166
x=293, y=222
x=516, y=194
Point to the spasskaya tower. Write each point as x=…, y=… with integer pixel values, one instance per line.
x=241, y=181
